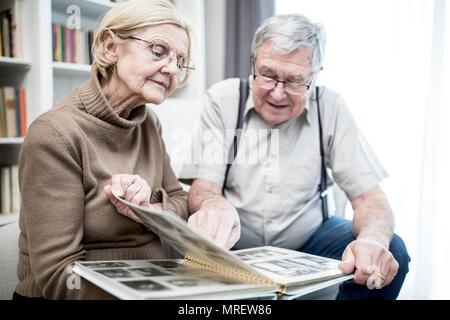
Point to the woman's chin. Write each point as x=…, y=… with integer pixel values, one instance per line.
x=154, y=97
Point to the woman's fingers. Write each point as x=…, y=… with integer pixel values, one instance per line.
x=132, y=188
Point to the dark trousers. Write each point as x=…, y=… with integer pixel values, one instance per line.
x=331, y=239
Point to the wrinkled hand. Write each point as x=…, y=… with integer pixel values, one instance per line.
x=375, y=265
x=221, y=225
x=132, y=188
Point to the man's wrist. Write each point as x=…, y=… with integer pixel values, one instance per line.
x=216, y=202
x=382, y=240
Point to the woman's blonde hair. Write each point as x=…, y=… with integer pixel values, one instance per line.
x=129, y=17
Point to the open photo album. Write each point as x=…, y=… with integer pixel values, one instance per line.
x=206, y=271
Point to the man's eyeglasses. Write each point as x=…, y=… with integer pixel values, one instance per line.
x=292, y=87
x=161, y=51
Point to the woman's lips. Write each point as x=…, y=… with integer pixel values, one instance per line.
x=162, y=84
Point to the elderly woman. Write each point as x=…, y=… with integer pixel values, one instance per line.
x=101, y=139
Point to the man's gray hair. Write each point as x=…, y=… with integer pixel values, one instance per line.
x=290, y=32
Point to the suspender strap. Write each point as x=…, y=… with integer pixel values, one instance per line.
x=243, y=95
x=323, y=171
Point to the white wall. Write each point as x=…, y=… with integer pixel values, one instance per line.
x=215, y=41
x=178, y=114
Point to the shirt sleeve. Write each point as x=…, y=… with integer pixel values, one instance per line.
x=52, y=211
x=355, y=167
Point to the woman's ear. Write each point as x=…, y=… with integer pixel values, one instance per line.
x=110, y=46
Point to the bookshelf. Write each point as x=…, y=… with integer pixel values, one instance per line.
x=67, y=69
x=10, y=64
x=47, y=82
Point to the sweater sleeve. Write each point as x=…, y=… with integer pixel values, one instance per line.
x=52, y=212
x=171, y=194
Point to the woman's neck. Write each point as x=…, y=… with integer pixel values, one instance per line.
x=119, y=96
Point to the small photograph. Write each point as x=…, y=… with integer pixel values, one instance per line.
x=106, y=264
x=293, y=267
x=283, y=268
x=306, y=262
x=116, y=273
x=258, y=253
x=186, y=282
x=320, y=260
x=149, y=272
x=167, y=264
x=144, y=285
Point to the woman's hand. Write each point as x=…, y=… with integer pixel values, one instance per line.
x=132, y=188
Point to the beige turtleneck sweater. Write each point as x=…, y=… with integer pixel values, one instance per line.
x=68, y=156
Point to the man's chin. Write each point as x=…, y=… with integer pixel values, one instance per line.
x=275, y=119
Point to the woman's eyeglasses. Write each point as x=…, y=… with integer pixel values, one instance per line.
x=161, y=51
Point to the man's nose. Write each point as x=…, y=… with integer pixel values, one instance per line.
x=279, y=92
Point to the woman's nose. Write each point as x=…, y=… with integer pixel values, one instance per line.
x=171, y=66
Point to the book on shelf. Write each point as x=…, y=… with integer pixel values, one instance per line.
x=205, y=271
x=13, y=121
x=11, y=28
x=71, y=45
x=9, y=190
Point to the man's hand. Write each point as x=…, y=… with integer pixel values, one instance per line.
x=219, y=224
x=132, y=188
x=375, y=266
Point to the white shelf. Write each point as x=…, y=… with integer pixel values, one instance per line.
x=87, y=7
x=11, y=64
x=15, y=140
x=71, y=69
x=8, y=218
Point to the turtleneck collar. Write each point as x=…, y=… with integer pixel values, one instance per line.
x=96, y=104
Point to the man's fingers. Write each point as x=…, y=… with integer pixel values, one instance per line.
x=347, y=264
x=363, y=263
x=224, y=232
x=374, y=282
x=234, y=237
x=208, y=225
x=361, y=277
x=192, y=222
x=389, y=271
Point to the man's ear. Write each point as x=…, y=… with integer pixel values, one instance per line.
x=110, y=46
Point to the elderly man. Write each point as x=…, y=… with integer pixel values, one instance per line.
x=276, y=200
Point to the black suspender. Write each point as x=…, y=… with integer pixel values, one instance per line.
x=243, y=95
x=323, y=168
